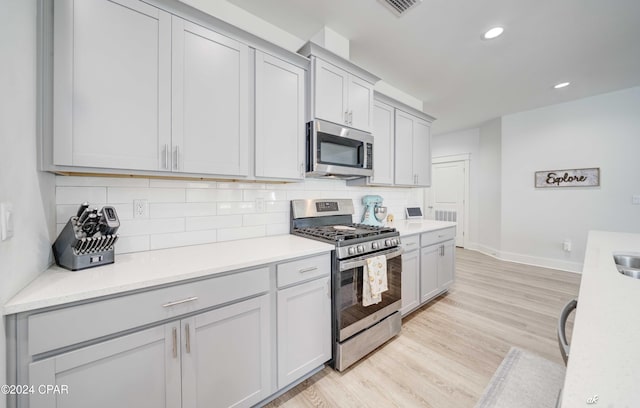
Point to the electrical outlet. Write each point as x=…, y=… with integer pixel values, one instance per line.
x=259, y=205
x=140, y=209
x=566, y=245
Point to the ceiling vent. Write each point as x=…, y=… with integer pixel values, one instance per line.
x=399, y=7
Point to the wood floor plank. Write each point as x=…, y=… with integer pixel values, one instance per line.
x=449, y=349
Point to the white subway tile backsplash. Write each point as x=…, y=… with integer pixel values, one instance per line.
x=148, y=226
x=182, y=184
x=78, y=195
x=77, y=181
x=132, y=244
x=230, y=234
x=157, y=195
x=160, y=241
x=183, y=212
x=171, y=210
x=278, y=229
x=236, y=208
x=209, y=223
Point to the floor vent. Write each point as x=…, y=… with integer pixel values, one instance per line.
x=399, y=7
x=446, y=215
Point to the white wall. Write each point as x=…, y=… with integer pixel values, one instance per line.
x=489, y=190
x=28, y=253
x=463, y=142
x=196, y=212
x=601, y=131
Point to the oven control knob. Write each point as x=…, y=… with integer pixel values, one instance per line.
x=394, y=241
x=360, y=249
x=352, y=251
x=387, y=242
x=374, y=245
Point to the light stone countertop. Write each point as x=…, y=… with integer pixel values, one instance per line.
x=411, y=227
x=604, y=356
x=142, y=270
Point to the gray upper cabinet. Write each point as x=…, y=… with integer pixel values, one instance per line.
x=413, y=150
x=112, y=84
x=384, y=148
x=280, y=122
x=210, y=101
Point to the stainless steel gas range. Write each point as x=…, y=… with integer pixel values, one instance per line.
x=357, y=329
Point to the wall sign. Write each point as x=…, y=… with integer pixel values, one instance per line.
x=568, y=178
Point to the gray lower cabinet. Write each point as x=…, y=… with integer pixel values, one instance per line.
x=219, y=358
x=429, y=270
x=304, y=329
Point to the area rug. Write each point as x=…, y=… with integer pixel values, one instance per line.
x=523, y=380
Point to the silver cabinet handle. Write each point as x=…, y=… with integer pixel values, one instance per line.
x=179, y=302
x=177, y=162
x=175, y=343
x=351, y=117
x=410, y=243
x=562, y=328
x=166, y=156
x=188, y=335
x=301, y=169
x=346, y=117
x=310, y=269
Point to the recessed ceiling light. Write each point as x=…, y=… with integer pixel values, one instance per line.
x=561, y=85
x=493, y=33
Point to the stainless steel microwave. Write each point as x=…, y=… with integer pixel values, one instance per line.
x=337, y=151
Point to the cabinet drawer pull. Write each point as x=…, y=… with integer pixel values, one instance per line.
x=310, y=269
x=179, y=302
x=188, y=334
x=409, y=243
x=175, y=343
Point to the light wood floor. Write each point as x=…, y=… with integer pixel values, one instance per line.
x=449, y=349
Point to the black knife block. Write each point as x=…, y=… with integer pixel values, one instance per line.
x=73, y=251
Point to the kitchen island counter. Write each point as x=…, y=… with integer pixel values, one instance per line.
x=604, y=355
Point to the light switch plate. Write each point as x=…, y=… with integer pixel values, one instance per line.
x=635, y=199
x=6, y=221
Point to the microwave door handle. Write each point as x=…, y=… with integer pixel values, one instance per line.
x=362, y=261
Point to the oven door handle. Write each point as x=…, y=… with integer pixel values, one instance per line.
x=362, y=261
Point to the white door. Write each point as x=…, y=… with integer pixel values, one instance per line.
x=112, y=89
x=330, y=87
x=280, y=97
x=304, y=329
x=210, y=80
x=360, y=103
x=447, y=195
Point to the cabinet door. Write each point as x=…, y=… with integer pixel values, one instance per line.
x=360, y=103
x=446, y=266
x=422, y=152
x=429, y=261
x=226, y=357
x=404, y=174
x=383, y=149
x=410, y=281
x=210, y=101
x=280, y=123
x=137, y=370
x=112, y=89
x=330, y=92
x=304, y=329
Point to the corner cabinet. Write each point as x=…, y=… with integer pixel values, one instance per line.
x=428, y=267
x=341, y=92
x=280, y=124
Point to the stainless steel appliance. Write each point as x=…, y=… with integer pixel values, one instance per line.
x=338, y=152
x=357, y=329
x=88, y=239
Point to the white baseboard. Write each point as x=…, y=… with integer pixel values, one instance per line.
x=559, y=264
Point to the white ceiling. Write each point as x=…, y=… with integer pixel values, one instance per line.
x=434, y=52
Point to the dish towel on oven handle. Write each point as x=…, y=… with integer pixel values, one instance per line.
x=374, y=280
